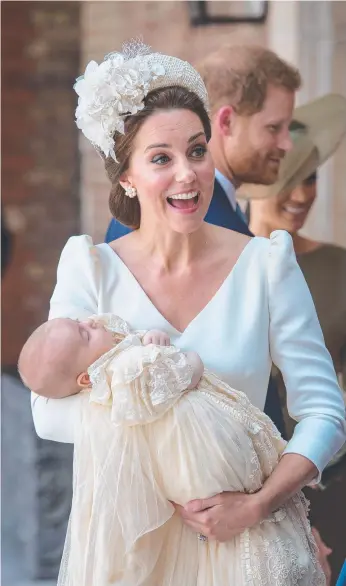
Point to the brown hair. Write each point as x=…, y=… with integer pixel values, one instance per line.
x=240, y=75
x=127, y=210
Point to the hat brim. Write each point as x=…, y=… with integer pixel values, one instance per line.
x=324, y=120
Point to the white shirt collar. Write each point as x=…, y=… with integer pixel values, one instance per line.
x=228, y=188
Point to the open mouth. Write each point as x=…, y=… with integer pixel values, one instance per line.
x=294, y=211
x=184, y=201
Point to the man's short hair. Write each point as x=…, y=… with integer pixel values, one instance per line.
x=240, y=76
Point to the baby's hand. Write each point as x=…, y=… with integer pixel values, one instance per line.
x=198, y=368
x=156, y=337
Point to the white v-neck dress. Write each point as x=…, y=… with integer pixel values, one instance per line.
x=262, y=313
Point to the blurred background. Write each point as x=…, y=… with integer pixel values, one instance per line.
x=54, y=185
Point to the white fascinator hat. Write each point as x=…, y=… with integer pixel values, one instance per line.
x=114, y=89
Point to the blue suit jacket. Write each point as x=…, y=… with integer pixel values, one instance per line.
x=342, y=578
x=221, y=213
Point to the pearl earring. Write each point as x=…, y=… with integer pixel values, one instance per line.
x=130, y=191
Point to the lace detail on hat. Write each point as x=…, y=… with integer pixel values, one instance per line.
x=114, y=89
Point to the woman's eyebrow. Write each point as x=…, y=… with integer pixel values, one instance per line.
x=158, y=145
x=192, y=138
x=164, y=145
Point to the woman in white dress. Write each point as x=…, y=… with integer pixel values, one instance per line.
x=240, y=303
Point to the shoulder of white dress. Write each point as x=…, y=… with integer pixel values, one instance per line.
x=79, y=260
x=82, y=243
x=281, y=259
x=81, y=248
x=281, y=244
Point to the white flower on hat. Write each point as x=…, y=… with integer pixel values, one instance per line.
x=110, y=91
x=116, y=88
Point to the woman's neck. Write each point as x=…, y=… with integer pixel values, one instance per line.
x=172, y=251
x=258, y=227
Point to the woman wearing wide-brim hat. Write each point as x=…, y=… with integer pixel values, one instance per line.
x=317, y=129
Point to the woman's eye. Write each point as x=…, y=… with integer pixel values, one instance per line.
x=199, y=151
x=160, y=159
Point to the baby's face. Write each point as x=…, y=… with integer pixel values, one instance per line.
x=94, y=339
x=55, y=360
x=88, y=341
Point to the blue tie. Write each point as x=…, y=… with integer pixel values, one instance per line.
x=240, y=213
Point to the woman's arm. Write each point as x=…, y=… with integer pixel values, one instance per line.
x=314, y=400
x=55, y=419
x=297, y=347
x=75, y=296
x=225, y=515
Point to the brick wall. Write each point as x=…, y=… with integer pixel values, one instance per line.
x=40, y=160
x=163, y=25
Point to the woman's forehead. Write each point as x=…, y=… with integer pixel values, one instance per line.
x=168, y=126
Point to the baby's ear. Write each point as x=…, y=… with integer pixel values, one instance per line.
x=83, y=380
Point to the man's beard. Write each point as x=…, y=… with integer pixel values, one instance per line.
x=257, y=171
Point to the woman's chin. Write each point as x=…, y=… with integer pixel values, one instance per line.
x=292, y=225
x=296, y=227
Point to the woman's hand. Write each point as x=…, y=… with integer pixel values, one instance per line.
x=323, y=552
x=223, y=516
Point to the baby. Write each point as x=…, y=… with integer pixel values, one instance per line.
x=155, y=428
x=55, y=360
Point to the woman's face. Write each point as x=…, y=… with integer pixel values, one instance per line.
x=289, y=211
x=172, y=171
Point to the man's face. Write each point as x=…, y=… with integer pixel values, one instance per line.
x=257, y=143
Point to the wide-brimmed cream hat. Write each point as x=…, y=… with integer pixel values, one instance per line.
x=317, y=129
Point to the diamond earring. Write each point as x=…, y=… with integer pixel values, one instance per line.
x=130, y=191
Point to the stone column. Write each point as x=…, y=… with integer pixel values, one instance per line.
x=317, y=46
x=338, y=74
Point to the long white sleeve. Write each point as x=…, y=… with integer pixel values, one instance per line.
x=297, y=347
x=75, y=296
x=55, y=419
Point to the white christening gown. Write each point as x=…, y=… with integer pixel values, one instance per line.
x=144, y=440
x=262, y=313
